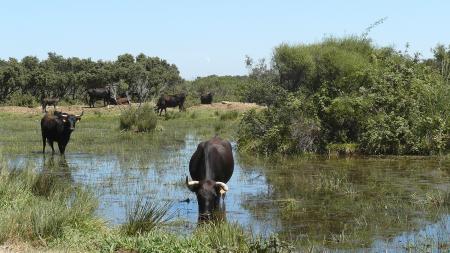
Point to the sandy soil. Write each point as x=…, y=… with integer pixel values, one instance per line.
x=77, y=109
x=225, y=105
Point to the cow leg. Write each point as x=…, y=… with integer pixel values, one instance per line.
x=54, y=107
x=43, y=143
x=61, y=148
x=51, y=145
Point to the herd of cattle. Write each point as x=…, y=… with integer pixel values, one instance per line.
x=105, y=94
x=211, y=166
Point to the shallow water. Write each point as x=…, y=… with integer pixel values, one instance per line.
x=346, y=204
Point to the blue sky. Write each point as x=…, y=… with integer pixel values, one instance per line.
x=210, y=37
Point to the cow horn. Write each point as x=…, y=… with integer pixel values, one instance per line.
x=78, y=116
x=223, y=185
x=191, y=184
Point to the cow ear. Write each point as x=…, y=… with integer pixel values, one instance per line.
x=78, y=119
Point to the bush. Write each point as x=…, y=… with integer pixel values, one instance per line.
x=142, y=119
x=348, y=91
x=18, y=99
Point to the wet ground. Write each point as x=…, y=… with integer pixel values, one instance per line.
x=343, y=204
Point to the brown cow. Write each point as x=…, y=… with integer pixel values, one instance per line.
x=170, y=101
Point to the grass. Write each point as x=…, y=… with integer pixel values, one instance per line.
x=100, y=133
x=45, y=211
x=145, y=216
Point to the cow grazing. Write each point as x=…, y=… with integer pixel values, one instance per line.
x=206, y=98
x=58, y=127
x=170, y=101
x=211, y=166
x=99, y=94
x=49, y=101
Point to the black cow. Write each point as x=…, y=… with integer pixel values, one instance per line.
x=211, y=166
x=99, y=94
x=206, y=98
x=170, y=101
x=58, y=127
x=49, y=101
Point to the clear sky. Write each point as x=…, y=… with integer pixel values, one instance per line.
x=209, y=37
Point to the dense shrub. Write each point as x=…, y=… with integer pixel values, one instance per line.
x=142, y=119
x=19, y=99
x=348, y=91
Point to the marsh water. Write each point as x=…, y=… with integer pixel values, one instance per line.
x=342, y=204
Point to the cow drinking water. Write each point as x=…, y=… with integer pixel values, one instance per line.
x=211, y=167
x=58, y=127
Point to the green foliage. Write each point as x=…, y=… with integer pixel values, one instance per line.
x=68, y=78
x=145, y=216
x=142, y=119
x=18, y=99
x=224, y=88
x=229, y=115
x=348, y=91
x=38, y=207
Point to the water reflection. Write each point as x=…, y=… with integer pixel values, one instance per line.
x=356, y=203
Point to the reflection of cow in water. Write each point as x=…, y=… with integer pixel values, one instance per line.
x=170, y=101
x=211, y=166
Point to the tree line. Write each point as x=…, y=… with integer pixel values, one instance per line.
x=69, y=78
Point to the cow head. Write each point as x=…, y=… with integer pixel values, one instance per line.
x=69, y=120
x=208, y=195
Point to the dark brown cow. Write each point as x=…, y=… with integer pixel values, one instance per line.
x=58, y=127
x=211, y=167
x=170, y=101
x=49, y=101
x=206, y=98
x=99, y=94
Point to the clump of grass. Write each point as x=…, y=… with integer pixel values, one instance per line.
x=142, y=119
x=144, y=216
x=37, y=210
x=229, y=115
x=218, y=126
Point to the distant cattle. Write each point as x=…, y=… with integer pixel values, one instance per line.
x=99, y=94
x=170, y=101
x=206, y=98
x=58, y=127
x=49, y=101
x=211, y=167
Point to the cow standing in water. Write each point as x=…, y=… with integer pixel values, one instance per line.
x=58, y=127
x=211, y=167
x=170, y=101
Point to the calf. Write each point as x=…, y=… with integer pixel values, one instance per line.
x=211, y=167
x=58, y=127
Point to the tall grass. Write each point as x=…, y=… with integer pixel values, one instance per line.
x=37, y=207
x=145, y=216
